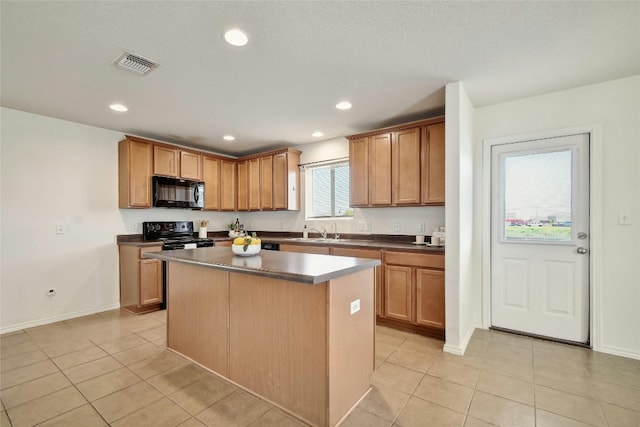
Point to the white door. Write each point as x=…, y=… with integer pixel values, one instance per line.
x=540, y=237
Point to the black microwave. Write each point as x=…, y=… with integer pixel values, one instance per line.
x=177, y=193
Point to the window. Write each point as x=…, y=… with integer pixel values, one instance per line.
x=327, y=190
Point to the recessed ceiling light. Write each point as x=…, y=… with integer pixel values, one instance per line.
x=343, y=105
x=317, y=134
x=236, y=37
x=118, y=107
x=228, y=137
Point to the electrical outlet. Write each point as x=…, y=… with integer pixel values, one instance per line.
x=134, y=227
x=396, y=227
x=422, y=227
x=60, y=228
x=355, y=307
x=624, y=217
x=368, y=225
x=361, y=226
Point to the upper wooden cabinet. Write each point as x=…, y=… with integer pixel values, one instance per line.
x=432, y=156
x=173, y=162
x=135, y=158
x=228, y=188
x=243, y=185
x=272, y=181
x=267, y=181
x=190, y=165
x=286, y=180
x=211, y=173
x=398, y=166
x=165, y=161
x=359, y=171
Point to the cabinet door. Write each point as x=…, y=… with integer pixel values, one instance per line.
x=135, y=165
x=359, y=171
x=266, y=182
x=165, y=161
x=370, y=254
x=430, y=298
x=406, y=167
x=190, y=165
x=150, y=281
x=211, y=178
x=380, y=170
x=280, y=181
x=243, y=185
x=254, y=184
x=433, y=165
x=228, y=186
x=397, y=296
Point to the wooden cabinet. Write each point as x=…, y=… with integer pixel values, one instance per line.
x=380, y=170
x=135, y=158
x=140, y=279
x=243, y=185
x=414, y=291
x=165, y=161
x=369, y=254
x=173, y=162
x=359, y=171
x=211, y=173
x=228, y=188
x=286, y=180
x=266, y=183
x=432, y=158
x=398, y=166
x=190, y=165
x=405, y=156
x=253, y=174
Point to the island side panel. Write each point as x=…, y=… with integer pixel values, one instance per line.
x=278, y=343
x=351, y=341
x=198, y=314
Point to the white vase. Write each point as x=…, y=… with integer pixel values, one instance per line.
x=202, y=232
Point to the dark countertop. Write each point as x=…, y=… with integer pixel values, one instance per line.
x=298, y=267
x=366, y=241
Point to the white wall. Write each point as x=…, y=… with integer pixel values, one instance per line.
x=460, y=279
x=615, y=108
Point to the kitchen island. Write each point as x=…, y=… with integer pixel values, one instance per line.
x=296, y=329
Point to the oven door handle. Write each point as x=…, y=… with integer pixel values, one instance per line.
x=195, y=194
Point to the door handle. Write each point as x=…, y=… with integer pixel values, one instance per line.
x=582, y=251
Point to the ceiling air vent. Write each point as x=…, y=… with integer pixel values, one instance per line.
x=136, y=63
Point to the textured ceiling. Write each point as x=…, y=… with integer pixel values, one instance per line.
x=390, y=59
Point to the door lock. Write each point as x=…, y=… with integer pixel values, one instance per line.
x=582, y=251
x=582, y=235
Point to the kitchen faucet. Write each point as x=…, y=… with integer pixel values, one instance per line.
x=323, y=233
x=336, y=236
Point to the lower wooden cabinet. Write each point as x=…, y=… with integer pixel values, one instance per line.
x=140, y=279
x=414, y=292
x=307, y=249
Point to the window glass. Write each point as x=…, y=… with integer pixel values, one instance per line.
x=328, y=191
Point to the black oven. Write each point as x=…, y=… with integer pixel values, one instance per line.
x=174, y=235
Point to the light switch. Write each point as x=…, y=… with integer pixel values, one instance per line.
x=355, y=306
x=60, y=228
x=624, y=217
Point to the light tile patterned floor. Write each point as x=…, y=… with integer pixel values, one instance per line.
x=112, y=369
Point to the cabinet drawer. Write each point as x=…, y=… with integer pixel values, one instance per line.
x=414, y=260
x=307, y=249
x=357, y=253
x=146, y=249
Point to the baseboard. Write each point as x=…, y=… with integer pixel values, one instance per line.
x=459, y=350
x=49, y=320
x=619, y=352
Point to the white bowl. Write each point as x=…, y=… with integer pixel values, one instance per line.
x=251, y=250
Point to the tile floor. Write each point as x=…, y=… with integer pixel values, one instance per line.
x=111, y=369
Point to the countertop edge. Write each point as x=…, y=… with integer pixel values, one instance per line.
x=294, y=277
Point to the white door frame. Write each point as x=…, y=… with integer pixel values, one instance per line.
x=595, y=226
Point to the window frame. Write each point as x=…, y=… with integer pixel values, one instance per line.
x=308, y=177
